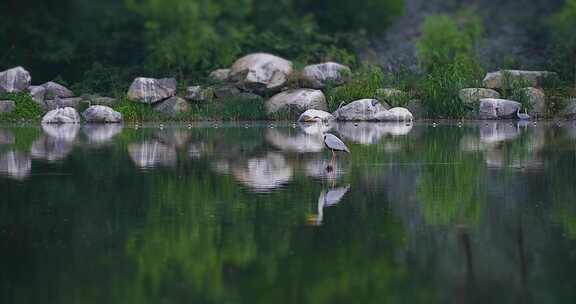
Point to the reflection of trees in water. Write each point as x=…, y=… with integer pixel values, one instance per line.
x=426, y=222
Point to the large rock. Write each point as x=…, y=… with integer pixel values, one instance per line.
x=54, y=90
x=219, y=75
x=473, y=95
x=172, y=107
x=497, y=80
x=318, y=76
x=37, y=93
x=394, y=114
x=73, y=102
x=491, y=108
x=261, y=73
x=569, y=110
x=199, y=94
x=312, y=116
x=7, y=106
x=296, y=101
x=61, y=115
x=361, y=110
x=14, y=80
x=537, y=99
x=150, y=90
x=101, y=114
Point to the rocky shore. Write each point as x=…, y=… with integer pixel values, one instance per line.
x=286, y=93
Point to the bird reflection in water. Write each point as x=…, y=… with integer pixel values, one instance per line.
x=327, y=199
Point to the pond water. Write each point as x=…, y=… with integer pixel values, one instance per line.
x=257, y=213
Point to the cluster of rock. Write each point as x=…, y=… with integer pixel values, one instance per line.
x=360, y=110
x=60, y=103
x=251, y=77
x=488, y=99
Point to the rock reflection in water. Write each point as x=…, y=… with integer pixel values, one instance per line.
x=328, y=198
x=368, y=133
x=177, y=137
x=57, y=142
x=7, y=137
x=263, y=174
x=297, y=143
x=150, y=154
x=316, y=128
x=324, y=169
x=497, y=132
x=16, y=165
x=101, y=134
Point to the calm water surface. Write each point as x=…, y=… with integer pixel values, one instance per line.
x=254, y=213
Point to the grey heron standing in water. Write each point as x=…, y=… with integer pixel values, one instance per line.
x=522, y=116
x=331, y=141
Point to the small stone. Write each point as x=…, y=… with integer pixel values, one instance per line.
x=296, y=101
x=318, y=76
x=312, y=116
x=199, y=94
x=7, y=106
x=172, y=107
x=220, y=75
x=37, y=93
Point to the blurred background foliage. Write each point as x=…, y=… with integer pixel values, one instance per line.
x=101, y=45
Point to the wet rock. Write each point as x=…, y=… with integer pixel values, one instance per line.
x=497, y=80
x=319, y=76
x=537, y=99
x=219, y=75
x=473, y=95
x=491, y=108
x=152, y=154
x=394, y=114
x=172, y=107
x=101, y=114
x=7, y=106
x=37, y=93
x=61, y=116
x=312, y=116
x=101, y=134
x=14, y=80
x=54, y=90
x=296, y=143
x=261, y=73
x=199, y=94
x=15, y=164
x=151, y=90
x=294, y=102
x=361, y=110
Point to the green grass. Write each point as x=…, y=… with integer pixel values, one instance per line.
x=26, y=108
x=232, y=109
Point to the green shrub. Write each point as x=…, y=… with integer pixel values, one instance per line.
x=515, y=89
x=562, y=50
x=447, y=55
x=136, y=112
x=26, y=108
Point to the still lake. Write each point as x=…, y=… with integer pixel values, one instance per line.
x=256, y=213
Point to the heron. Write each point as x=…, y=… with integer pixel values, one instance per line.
x=331, y=141
x=522, y=116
